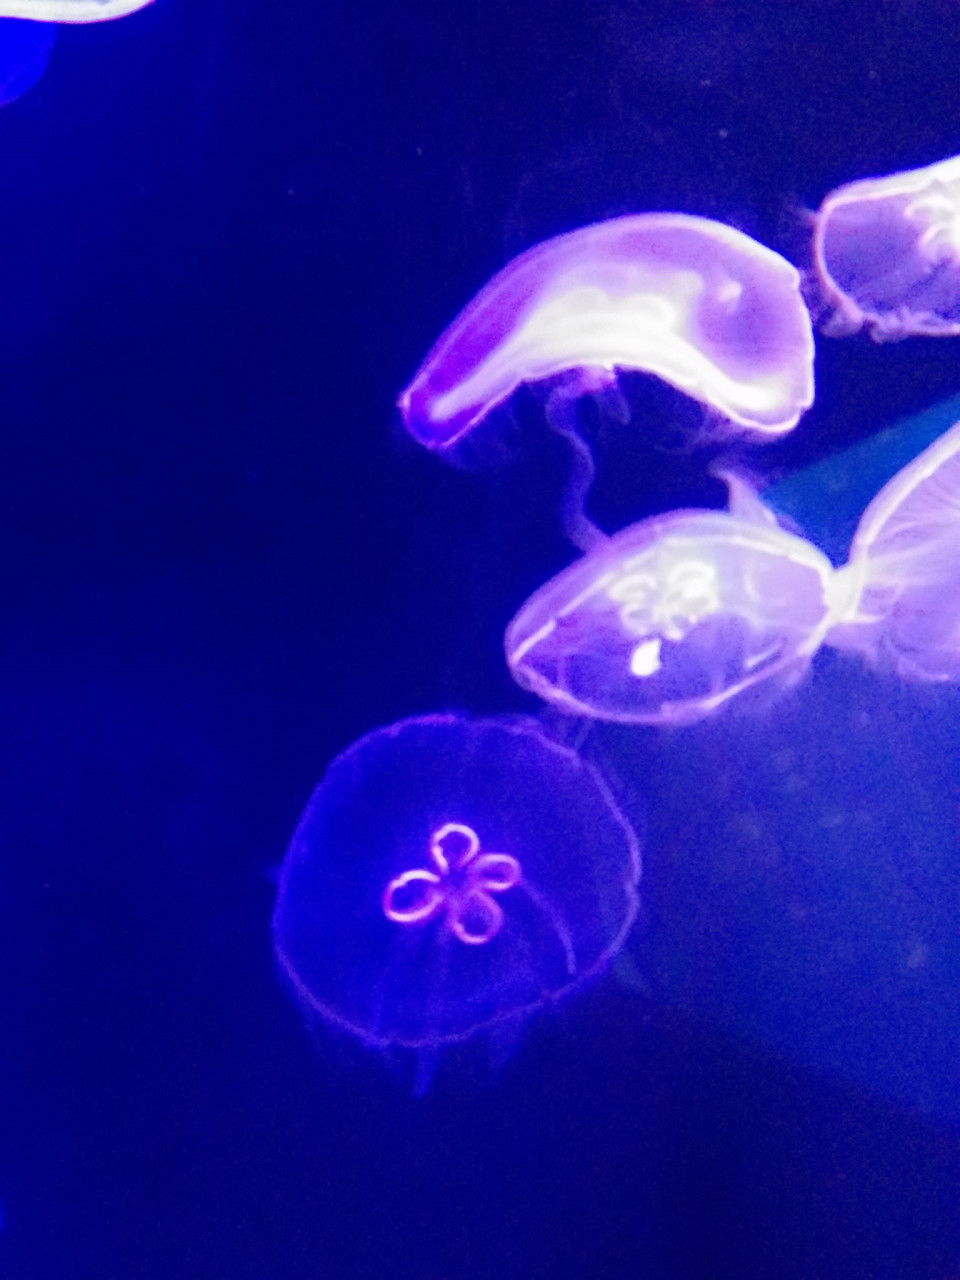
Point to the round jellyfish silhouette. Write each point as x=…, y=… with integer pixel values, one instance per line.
x=904, y=570
x=695, y=302
x=450, y=874
x=887, y=253
x=673, y=617
x=69, y=10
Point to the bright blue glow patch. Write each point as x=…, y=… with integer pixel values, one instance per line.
x=24, y=54
x=827, y=499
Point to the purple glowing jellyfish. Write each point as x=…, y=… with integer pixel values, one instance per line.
x=694, y=302
x=887, y=253
x=449, y=875
x=69, y=10
x=903, y=573
x=671, y=618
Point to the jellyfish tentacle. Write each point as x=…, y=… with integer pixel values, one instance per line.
x=562, y=415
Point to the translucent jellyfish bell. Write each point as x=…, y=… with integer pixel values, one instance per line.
x=887, y=253
x=668, y=620
x=451, y=874
x=904, y=570
x=70, y=10
x=694, y=302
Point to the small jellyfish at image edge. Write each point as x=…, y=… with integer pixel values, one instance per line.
x=450, y=875
x=670, y=619
x=694, y=302
x=903, y=571
x=887, y=254
x=24, y=53
x=70, y=10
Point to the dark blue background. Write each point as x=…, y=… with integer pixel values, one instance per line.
x=228, y=234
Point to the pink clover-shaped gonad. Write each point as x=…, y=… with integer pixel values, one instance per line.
x=460, y=886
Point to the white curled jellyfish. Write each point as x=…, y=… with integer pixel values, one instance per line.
x=670, y=619
x=887, y=253
x=70, y=10
x=903, y=572
x=450, y=875
x=696, y=303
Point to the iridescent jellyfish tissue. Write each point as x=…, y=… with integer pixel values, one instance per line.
x=903, y=570
x=670, y=619
x=450, y=875
x=694, y=302
x=887, y=252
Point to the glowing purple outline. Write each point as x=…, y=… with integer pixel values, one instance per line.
x=928, y=199
x=683, y=268
x=484, y=875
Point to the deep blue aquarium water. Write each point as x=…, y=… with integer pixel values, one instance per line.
x=229, y=238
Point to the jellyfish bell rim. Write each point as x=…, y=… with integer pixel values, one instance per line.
x=901, y=486
x=71, y=12
x=677, y=713
x=849, y=317
x=519, y=725
x=448, y=435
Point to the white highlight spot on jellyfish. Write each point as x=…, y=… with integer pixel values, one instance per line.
x=645, y=659
x=887, y=253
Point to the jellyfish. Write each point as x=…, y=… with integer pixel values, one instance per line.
x=887, y=253
x=450, y=875
x=671, y=618
x=70, y=10
x=24, y=53
x=697, y=304
x=904, y=570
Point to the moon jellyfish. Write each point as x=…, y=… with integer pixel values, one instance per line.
x=669, y=619
x=904, y=570
x=449, y=875
x=694, y=302
x=24, y=54
x=887, y=253
x=69, y=10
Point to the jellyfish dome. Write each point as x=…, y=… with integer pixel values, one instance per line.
x=694, y=302
x=70, y=10
x=673, y=617
x=887, y=253
x=904, y=570
x=450, y=874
